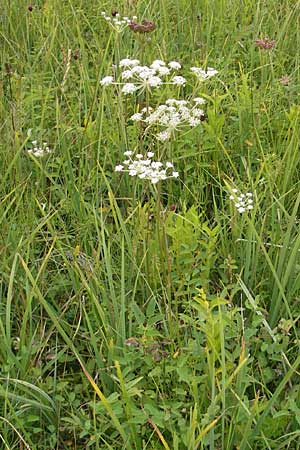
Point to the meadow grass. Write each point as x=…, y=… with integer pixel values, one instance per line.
x=149, y=315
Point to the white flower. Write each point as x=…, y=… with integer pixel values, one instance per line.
x=198, y=112
x=126, y=75
x=128, y=153
x=204, y=74
x=157, y=63
x=242, y=202
x=106, y=81
x=156, y=164
x=178, y=81
x=146, y=169
x=162, y=70
x=199, y=100
x=174, y=65
x=144, y=77
x=194, y=121
x=39, y=150
x=129, y=88
x=137, y=117
x=174, y=115
x=171, y=102
x=164, y=135
x=154, y=81
x=126, y=62
x=117, y=23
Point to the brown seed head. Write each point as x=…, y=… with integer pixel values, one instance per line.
x=265, y=44
x=145, y=27
x=76, y=54
x=285, y=80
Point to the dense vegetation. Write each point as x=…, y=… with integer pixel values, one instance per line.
x=149, y=309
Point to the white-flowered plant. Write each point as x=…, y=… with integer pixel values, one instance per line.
x=172, y=116
x=145, y=168
x=39, y=149
x=136, y=77
x=117, y=22
x=242, y=202
x=203, y=74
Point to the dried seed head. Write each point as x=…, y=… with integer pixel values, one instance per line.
x=30, y=8
x=285, y=80
x=8, y=69
x=265, y=44
x=145, y=27
x=132, y=342
x=76, y=54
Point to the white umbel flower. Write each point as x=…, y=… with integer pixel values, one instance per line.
x=129, y=88
x=202, y=74
x=126, y=62
x=106, y=81
x=145, y=78
x=242, y=202
x=174, y=65
x=173, y=116
x=147, y=169
x=39, y=150
x=178, y=80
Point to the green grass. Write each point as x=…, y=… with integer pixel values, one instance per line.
x=137, y=316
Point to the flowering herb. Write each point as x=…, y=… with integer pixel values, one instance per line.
x=145, y=168
x=116, y=21
x=202, y=74
x=39, y=150
x=242, y=202
x=172, y=116
x=140, y=78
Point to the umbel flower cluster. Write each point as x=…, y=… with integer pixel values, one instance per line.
x=242, y=202
x=172, y=116
x=203, y=74
x=136, y=77
x=145, y=168
x=117, y=22
x=39, y=149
